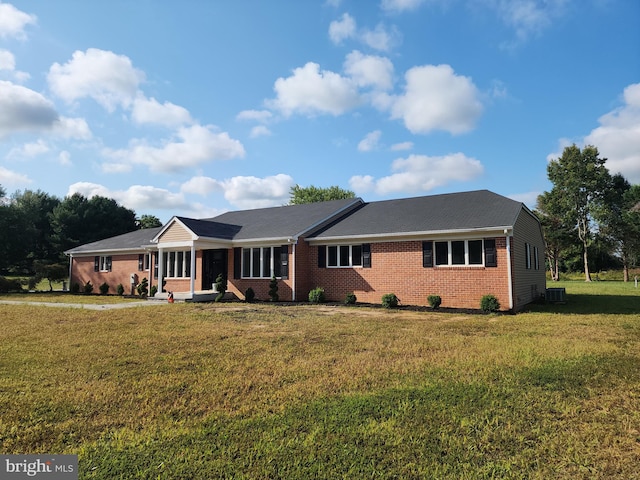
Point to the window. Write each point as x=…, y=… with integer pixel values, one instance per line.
x=459, y=252
x=527, y=255
x=144, y=261
x=102, y=264
x=264, y=262
x=177, y=264
x=344, y=256
x=536, y=260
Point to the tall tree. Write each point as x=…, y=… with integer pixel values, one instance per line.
x=558, y=236
x=148, y=221
x=580, y=182
x=311, y=194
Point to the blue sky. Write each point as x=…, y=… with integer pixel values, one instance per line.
x=198, y=107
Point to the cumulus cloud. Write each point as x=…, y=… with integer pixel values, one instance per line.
x=380, y=38
x=191, y=146
x=7, y=60
x=76, y=128
x=14, y=21
x=401, y=146
x=254, y=192
x=201, y=185
x=150, y=111
x=400, y=5
x=262, y=116
x=435, y=98
x=420, y=173
x=340, y=30
x=260, y=131
x=370, y=141
x=618, y=136
x=369, y=70
x=109, y=79
x=64, y=158
x=29, y=150
x=22, y=109
x=9, y=177
x=310, y=91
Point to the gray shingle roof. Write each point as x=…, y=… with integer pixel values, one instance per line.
x=127, y=241
x=454, y=211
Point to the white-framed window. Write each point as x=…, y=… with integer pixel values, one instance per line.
x=459, y=252
x=102, y=264
x=177, y=264
x=262, y=262
x=144, y=262
x=344, y=256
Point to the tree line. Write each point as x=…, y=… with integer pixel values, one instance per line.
x=36, y=228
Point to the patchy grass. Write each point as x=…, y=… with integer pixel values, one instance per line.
x=66, y=297
x=261, y=391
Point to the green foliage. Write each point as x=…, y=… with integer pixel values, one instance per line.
x=221, y=287
x=249, y=295
x=56, y=272
x=88, y=288
x=148, y=221
x=350, y=299
x=273, y=289
x=9, y=285
x=120, y=289
x=489, y=303
x=104, y=288
x=75, y=287
x=434, y=301
x=153, y=290
x=390, y=300
x=311, y=194
x=143, y=287
x=317, y=295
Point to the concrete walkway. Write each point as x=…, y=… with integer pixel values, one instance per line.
x=86, y=306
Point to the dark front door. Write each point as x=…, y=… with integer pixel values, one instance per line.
x=214, y=263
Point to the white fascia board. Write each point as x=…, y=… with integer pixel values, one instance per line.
x=112, y=251
x=408, y=236
x=265, y=242
x=211, y=243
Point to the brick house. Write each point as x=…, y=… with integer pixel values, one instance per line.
x=460, y=246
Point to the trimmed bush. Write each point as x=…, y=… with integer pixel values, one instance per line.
x=489, y=303
x=143, y=287
x=389, y=300
x=273, y=289
x=88, y=288
x=317, y=295
x=104, y=288
x=75, y=287
x=249, y=295
x=120, y=289
x=9, y=285
x=434, y=301
x=221, y=287
x=350, y=298
x=153, y=290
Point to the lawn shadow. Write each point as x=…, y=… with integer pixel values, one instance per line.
x=593, y=304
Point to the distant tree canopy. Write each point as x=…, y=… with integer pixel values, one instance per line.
x=148, y=221
x=311, y=194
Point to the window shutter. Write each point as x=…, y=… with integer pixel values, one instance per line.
x=490, y=255
x=109, y=263
x=322, y=256
x=96, y=264
x=366, y=255
x=140, y=262
x=284, y=262
x=237, y=262
x=427, y=254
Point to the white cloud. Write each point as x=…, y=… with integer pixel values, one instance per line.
x=65, y=158
x=400, y=5
x=253, y=192
x=260, y=131
x=340, y=30
x=370, y=141
x=7, y=60
x=402, y=146
x=369, y=70
x=192, y=146
x=262, y=116
x=436, y=98
x=310, y=91
x=22, y=109
x=14, y=21
x=420, y=173
x=150, y=111
x=380, y=38
x=9, y=177
x=528, y=198
x=618, y=136
x=201, y=185
x=29, y=150
x=110, y=79
x=72, y=128
x=136, y=197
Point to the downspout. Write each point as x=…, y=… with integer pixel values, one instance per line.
x=293, y=274
x=509, y=273
x=70, y=270
x=160, y=270
x=193, y=268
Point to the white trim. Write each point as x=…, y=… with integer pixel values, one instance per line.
x=509, y=274
x=192, y=269
x=292, y=273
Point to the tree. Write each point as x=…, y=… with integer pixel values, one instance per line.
x=558, y=236
x=580, y=183
x=148, y=221
x=300, y=195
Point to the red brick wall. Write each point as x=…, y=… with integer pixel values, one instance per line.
x=260, y=286
x=122, y=266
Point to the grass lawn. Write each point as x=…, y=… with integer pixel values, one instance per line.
x=259, y=391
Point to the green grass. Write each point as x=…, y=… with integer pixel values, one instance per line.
x=262, y=391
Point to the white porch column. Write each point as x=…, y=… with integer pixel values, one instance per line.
x=193, y=269
x=160, y=269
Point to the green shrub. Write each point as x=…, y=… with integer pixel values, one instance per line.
x=221, y=287
x=9, y=285
x=153, y=290
x=350, y=298
x=317, y=295
x=143, y=287
x=75, y=287
x=249, y=295
x=434, y=301
x=104, y=288
x=389, y=300
x=88, y=288
x=489, y=303
x=273, y=289
x=120, y=289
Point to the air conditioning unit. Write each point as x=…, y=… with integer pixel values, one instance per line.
x=556, y=295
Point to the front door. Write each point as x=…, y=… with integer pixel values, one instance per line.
x=214, y=263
